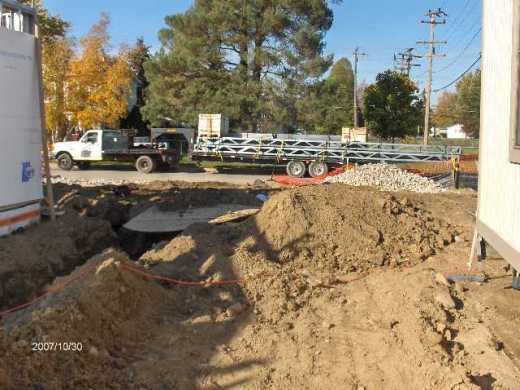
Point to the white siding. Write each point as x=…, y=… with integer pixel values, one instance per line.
x=499, y=193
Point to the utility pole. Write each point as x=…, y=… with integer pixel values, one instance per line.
x=435, y=17
x=404, y=61
x=357, y=54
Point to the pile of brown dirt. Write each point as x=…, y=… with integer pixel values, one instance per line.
x=348, y=229
x=326, y=317
x=107, y=310
x=33, y=258
x=305, y=239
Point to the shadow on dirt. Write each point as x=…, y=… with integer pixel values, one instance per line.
x=208, y=323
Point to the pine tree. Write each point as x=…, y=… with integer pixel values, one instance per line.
x=238, y=57
x=328, y=105
x=137, y=57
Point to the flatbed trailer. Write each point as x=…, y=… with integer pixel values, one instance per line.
x=315, y=156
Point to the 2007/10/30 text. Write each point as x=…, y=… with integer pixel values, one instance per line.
x=56, y=346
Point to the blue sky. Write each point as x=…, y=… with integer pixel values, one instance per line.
x=379, y=27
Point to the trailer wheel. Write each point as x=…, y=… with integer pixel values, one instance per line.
x=296, y=168
x=318, y=169
x=65, y=161
x=145, y=164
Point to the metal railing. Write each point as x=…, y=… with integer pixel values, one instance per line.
x=310, y=149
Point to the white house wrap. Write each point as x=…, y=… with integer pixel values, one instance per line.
x=20, y=119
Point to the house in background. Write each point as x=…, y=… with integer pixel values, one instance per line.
x=452, y=132
x=456, y=132
x=498, y=215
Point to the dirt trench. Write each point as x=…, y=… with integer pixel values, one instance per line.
x=33, y=257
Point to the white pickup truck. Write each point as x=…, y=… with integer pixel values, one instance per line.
x=113, y=145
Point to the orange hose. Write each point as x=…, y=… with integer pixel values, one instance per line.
x=181, y=282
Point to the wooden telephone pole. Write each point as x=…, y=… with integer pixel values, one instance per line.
x=435, y=17
x=404, y=61
x=357, y=54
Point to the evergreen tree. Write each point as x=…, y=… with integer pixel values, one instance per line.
x=238, y=57
x=137, y=56
x=328, y=105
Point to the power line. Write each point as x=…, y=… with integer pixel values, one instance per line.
x=468, y=32
x=461, y=53
x=461, y=76
x=404, y=61
x=452, y=30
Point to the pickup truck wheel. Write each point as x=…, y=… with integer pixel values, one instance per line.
x=83, y=165
x=296, y=168
x=318, y=169
x=145, y=164
x=65, y=162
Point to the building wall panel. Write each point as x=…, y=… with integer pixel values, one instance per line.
x=499, y=189
x=20, y=121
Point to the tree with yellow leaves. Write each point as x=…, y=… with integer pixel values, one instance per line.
x=57, y=54
x=99, y=84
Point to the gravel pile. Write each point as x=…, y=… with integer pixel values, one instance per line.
x=94, y=182
x=387, y=178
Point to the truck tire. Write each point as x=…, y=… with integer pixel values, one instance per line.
x=296, y=168
x=145, y=164
x=83, y=165
x=65, y=161
x=318, y=169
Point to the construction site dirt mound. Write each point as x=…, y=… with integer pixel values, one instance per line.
x=98, y=322
x=244, y=305
x=33, y=258
x=344, y=229
x=315, y=311
x=324, y=235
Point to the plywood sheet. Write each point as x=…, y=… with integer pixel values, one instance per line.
x=156, y=220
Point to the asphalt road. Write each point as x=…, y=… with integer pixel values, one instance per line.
x=240, y=176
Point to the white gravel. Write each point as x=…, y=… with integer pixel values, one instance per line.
x=387, y=178
x=94, y=182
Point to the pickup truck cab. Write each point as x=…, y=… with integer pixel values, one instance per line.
x=113, y=145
